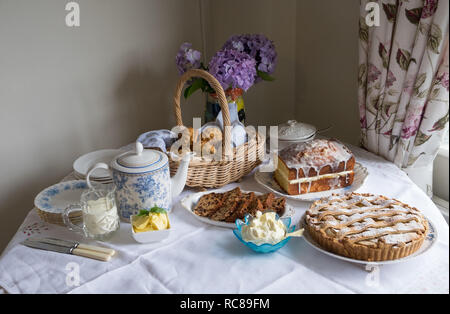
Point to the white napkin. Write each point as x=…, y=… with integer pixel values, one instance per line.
x=158, y=138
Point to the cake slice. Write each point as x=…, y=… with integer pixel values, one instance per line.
x=230, y=201
x=208, y=204
x=242, y=207
x=266, y=200
x=314, y=166
x=254, y=206
x=279, y=205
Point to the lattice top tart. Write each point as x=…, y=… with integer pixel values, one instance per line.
x=366, y=227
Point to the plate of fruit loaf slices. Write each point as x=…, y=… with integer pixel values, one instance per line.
x=222, y=208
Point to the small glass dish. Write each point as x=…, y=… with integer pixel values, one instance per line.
x=265, y=247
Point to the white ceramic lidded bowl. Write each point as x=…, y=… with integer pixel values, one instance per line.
x=293, y=132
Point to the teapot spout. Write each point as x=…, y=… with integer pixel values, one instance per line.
x=178, y=181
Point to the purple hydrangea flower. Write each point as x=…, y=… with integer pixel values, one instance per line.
x=187, y=58
x=257, y=46
x=233, y=68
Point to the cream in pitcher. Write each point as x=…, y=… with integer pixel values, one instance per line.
x=100, y=216
x=99, y=212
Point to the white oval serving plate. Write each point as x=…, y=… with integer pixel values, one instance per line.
x=266, y=180
x=430, y=240
x=189, y=202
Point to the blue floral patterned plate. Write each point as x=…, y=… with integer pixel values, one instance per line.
x=266, y=247
x=56, y=198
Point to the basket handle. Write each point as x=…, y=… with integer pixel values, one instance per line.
x=214, y=83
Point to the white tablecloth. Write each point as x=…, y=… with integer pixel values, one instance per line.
x=199, y=258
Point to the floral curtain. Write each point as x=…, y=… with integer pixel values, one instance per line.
x=404, y=80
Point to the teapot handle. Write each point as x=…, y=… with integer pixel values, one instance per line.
x=100, y=165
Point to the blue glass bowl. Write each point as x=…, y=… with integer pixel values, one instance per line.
x=265, y=247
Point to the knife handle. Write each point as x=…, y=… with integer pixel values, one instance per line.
x=91, y=254
x=107, y=251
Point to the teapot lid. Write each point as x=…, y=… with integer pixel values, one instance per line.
x=293, y=130
x=140, y=160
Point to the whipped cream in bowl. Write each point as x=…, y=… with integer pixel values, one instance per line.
x=264, y=233
x=264, y=228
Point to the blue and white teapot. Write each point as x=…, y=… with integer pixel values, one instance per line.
x=142, y=180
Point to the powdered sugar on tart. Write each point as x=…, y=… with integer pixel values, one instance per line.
x=353, y=224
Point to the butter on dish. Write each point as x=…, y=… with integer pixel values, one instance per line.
x=150, y=225
x=151, y=222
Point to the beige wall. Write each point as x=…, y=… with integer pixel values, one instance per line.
x=326, y=66
x=267, y=103
x=65, y=92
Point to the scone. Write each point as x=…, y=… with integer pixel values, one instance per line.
x=314, y=166
x=366, y=227
x=211, y=140
x=212, y=133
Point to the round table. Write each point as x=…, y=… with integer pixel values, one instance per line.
x=200, y=258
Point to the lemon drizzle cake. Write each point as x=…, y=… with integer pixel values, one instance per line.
x=366, y=227
x=314, y=166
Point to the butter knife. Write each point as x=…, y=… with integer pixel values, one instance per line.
x=67, y=250
x=74, y=244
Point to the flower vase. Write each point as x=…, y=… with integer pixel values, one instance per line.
x=213, y=107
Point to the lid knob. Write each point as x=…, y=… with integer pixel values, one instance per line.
x=293, y=130
x=139, y=157
x=139, y=148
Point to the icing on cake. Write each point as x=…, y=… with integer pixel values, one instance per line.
x=316, y=155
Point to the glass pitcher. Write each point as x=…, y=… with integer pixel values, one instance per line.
x=99, y=212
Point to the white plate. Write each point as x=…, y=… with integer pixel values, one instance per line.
x=56, y=198
x=84, y=163
x=430, y=240
x=99, y=180
x=266, y=179
x=190, y=201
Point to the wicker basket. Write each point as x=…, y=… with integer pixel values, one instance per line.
x=236, y=162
